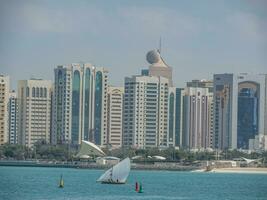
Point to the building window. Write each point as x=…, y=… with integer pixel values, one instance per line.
x=45, y=92
x=33, y=92
x=37, y=92
x=27, y=92
x=41, y=92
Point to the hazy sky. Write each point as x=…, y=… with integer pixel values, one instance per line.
x=199, y=38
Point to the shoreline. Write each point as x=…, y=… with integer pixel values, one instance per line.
x=240, y=170
x=134, y=166
x=95, y=166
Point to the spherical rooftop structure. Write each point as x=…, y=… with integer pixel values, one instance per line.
x=153, y=57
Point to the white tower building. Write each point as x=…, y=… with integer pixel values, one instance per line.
x=4, y=97
x=197, y=118
x=115, y=116
x=12, y=110
x=34, y=111
x=146, y=112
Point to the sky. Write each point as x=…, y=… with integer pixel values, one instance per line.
x=198, y=38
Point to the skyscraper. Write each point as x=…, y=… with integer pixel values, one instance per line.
x=179, y=116
x=34, y=111
x=197, y=101
x=12, y=110
x=115, y=116
x=80, y=104
x=201, y=84
x=247, y=116
x=171, y=117
x=209, y=85
x=4, y=94
x=239, y=109
x=146, y=112
x=62, y=105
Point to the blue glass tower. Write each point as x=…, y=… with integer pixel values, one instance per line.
x=98, y=107
x=79, y=111
x=87, y=105
x=75, y=107
x=247, y=124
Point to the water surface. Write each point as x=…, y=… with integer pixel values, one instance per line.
x=39, y=183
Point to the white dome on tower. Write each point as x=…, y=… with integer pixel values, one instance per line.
x=153, y=57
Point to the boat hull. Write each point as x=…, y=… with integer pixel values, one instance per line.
x=112, y=182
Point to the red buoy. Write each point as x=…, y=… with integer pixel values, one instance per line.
x=136, y=187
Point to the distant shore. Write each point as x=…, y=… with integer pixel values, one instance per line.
x=92, y=165
x=247, y=170
x=134, y=166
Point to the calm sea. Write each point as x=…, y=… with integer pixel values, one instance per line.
x=42, y=183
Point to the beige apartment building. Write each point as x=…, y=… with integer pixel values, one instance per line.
x=4, y=97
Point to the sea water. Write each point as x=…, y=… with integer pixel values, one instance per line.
x=39, y=183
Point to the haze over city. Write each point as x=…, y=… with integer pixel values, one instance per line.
x=198, y=38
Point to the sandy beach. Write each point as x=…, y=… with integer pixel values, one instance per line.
x=241, y=170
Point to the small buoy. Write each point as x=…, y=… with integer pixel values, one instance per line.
x=136, y=186
x=140, y=188
x=61, y=182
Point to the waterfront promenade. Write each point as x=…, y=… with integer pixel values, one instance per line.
x=93, y=165
x=169, y=166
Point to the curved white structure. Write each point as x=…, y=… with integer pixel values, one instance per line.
x=159, y=157
x=89, y=149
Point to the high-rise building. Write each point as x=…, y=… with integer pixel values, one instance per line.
x=146, y=111
x=62, y=105
x=80, y=104
x=201, y=84
x=158, y=66
x=240, y=110
x=179, y=116
x=12, y=119
x=206, y=84
x=247, y=115
x=171, y=117
x=197, y=118
x=4, y=94
x=115, y=116
x=34, y=111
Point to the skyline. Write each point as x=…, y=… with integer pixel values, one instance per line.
x=204, y=38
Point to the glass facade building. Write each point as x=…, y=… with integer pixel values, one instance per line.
x=240, y=109
x=247, y=124
x=76, y=95
x=98, y=107
x=178, y=116
x=171, y=119
x=82, y=100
